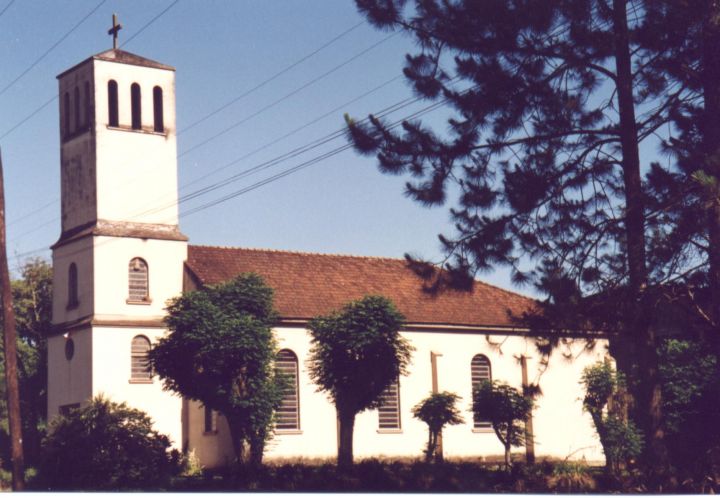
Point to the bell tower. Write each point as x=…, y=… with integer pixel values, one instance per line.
x=120, y=254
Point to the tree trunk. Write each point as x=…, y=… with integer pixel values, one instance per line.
x=711, y=150
x=439, y=457
x=257, y=450
x=10, y=343
x=346, y=419
x=238, y=440
x=649, y=413
x=430, y=451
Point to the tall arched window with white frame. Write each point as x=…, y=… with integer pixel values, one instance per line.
x=480, y=370
x=288, y=415
x=138, y=281
x=139, y=366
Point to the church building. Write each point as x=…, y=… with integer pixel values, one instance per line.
x=121, y=256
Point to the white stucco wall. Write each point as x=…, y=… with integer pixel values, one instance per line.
x=79, y=252
x=111, y=377
x=136, y=169
x=561, y=427
x=112, y=255
x=69, y=381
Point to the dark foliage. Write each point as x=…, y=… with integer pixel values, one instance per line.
x=355, y=354
x=221, y=351
x=105, y=446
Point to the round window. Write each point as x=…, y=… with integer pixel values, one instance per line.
x=69, y=349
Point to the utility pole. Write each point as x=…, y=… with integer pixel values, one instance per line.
x=10, y=343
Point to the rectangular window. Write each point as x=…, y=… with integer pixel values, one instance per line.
x=389, y=409
x=65, y=409
x=210, y=420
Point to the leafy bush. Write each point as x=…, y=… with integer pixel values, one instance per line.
x=105, y=446
x=437, y=411
x=506, y=408
x=571, y=477
x=620, y=438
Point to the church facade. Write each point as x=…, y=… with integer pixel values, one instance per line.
x=116, y=264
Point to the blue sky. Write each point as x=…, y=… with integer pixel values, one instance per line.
x=222, y=50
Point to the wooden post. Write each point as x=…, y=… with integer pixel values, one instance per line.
x=10, y=343
x=529, y=440
x=433, y=365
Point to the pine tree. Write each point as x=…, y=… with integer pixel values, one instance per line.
x=551, y=100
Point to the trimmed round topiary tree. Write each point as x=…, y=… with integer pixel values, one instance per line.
x=106, y=446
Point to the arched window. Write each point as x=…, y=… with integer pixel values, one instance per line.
x=389, y=409
x=135, y=107
x=113, y=119
x=138, y=280
x=76, y=106
x=480, y=370
x=72, y=286
x=139, y=367
x=288, y=415
x=159, y=125
x=66, y=107
x=88, y=105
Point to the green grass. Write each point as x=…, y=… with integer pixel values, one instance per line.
x=375, y=475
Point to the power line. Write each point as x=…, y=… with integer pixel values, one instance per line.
x=274, y=161
x=138, y=32
x=37, y=61
x=287, y=96
x=302, y=165
x=6, y=7
x=262, y=182
x=29, y=116
x=294, y=131
x=271, y=78
x=34, y=211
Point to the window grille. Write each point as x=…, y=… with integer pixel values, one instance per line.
x=480, y=370
x=389, y=409
x=288, y=415
x=139, y=366
x=138, y=280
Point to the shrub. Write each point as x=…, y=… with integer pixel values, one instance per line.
x=437, y=411
x=507, y=410
x=105, y=446
x=571, y=477
x=620, y=438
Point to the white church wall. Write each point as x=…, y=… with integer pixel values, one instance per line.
x=80, y=253
x=137, y=169
x=165, y=260
x=111, y=377
x=561, y=428
x=69, y=380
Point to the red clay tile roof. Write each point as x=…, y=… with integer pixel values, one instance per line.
x=307, y=285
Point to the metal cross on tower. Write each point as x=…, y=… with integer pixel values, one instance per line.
x=114, y=30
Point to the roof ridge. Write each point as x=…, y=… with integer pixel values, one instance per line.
x=304, y=253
